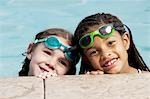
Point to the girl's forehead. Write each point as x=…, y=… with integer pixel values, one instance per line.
x=58, y=53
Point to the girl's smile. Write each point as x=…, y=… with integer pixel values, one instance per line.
x=109, y=64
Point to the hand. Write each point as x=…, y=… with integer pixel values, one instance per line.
x=97, y=72
x=46, y=74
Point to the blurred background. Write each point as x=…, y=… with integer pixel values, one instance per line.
x=20, y=20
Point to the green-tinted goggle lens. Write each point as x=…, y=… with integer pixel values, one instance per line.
x=103, y=32
x=53, y=42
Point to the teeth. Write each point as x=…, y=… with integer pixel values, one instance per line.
x=110, y=62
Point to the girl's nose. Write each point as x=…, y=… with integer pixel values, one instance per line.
x=51, y=63
x=105, y=51
x=105, y=55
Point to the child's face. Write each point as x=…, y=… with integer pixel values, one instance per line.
x=44, y=59
x=109, y=54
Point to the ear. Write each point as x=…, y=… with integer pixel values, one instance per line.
x=126, y=40
x=29, y=50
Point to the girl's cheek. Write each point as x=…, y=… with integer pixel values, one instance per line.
x=95, y=62
x=61, y=71
x=35, y=70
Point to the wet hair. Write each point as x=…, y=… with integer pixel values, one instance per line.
x=85, y=26
x=60, y=33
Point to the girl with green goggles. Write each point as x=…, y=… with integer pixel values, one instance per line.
x=108, y=50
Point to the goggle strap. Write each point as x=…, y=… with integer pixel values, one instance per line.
x=40, y=40
x=127, y=28
x=68, y=57
x=71, y=49
x=62, y=48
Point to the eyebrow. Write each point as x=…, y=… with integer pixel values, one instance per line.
x=88, y=49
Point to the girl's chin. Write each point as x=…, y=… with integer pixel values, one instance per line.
x=113, y=70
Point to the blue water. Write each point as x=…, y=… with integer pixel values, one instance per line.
x=20, y=20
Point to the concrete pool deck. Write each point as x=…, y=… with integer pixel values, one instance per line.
x=119, y=86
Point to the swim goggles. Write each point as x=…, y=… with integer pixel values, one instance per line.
x=103, y=32
x=53, y=42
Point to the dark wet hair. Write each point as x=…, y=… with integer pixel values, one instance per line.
x=134, y=58
x=60, y=33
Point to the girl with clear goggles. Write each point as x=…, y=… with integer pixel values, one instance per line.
x=53, y=42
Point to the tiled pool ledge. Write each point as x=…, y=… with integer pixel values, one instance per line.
x=120, y=86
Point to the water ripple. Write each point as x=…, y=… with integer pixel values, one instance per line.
x=145, y=48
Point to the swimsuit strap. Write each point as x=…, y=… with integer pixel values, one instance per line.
x=139, y=71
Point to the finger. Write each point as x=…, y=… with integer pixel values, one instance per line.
x=42, y=75
x=100, y=72
x=94, y=72
x=87, y=73
x=49, y=74
x=54, y=73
